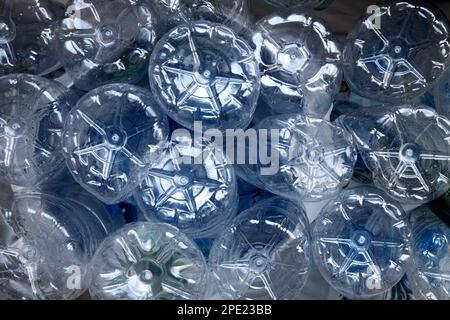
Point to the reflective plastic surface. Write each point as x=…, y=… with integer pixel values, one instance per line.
x=397, y=51
x=232, y=13
x=316, y=4
x=147, y=261
x=204, y=72
x=361, y=242
x=110, y=137
x=104, y=41
x=263, y=254
x=311, y=159
x=430, y=273
x=406, y=147
x=32, y=114
x=191, y=186
x=27, y=36
x=48, y=248
x=300, y=63
x=441, y=94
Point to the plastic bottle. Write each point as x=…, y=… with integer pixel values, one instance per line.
x=105, y=41
x=361, y=242
x=48, y=245
x=191, y=186
x=32, y=113
x=300, y=63
x=148, y=261
x=110, y=137
x=205, y=72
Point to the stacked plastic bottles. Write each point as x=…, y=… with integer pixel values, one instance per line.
x=161, y=149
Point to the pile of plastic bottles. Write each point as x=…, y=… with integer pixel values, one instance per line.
x=179, y=149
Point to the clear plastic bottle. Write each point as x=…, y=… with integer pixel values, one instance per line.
x=397, y=51
x=32, y=114
x=198, y=197
x=264, y=253
x=27, y=36
x=406, y=147
x=148, y=261
x=104, y=41
x=49, y=244
x=361, y=242
x=300, y=63
x=232, y=13
x=441, y=94
x=429, y=276
x=205, y=72
x=311, y=159
x=110, y=137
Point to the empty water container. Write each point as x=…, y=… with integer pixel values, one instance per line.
x=300, y=63
x=45, y=247
x=264, y=253
x=205, y=72
x=429, y=276
x=361, y=242
x=27, y=36
x=147, y=261
x=104, y=41
x=32, y=114
x=191, y=186
x=397, y=51
x=406, y=147
x=110, y=136
x=299, y=158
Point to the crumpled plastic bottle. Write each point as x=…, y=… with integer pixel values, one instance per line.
x=110, y=137
x=310, y=159
x=32, y=114
x=148, y=261
x=361, y=242
x=104, y=41
x=46, y=246
x=289, y=4
x=191, y=186
x=205, y=72
x=300, y=63
x=429, y=276
x=264, y=253
x=397, y=51
x=406, y=147
x=27, y=36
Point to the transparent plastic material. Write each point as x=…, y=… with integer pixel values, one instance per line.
x=204, y=72
x=104, y=41
x=147, y=261
x=110, y=137
x=311, y=159
x=27, y=36
x=47, y=249
x=406, y=147
x=441, y=94
x=361, y=242
x=300, y=63
x=232, y=13
x=264, y=253
x=397, y=51
x=316, y=4
x=196, y=196
x=429, y=276
x=32, y=114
